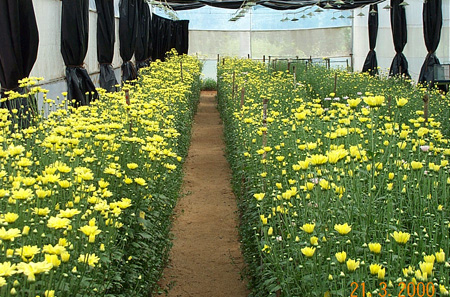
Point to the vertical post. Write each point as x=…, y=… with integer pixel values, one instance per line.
x=248, y=56
x=389, y=104
x=264, y=58
x=295, y=76
x=265, y=101
x=218, y=58
x=289, y=67
x=223, y=61
x=426, y=99
x=232, y=91
x=128, y=101
x=269, y=60
x=181, y=69
x=335, y=83
x=127, y=96
x=351, y=62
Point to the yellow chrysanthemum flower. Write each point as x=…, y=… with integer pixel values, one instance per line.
x=401, y=237
x=342, y=229
x=308, y=251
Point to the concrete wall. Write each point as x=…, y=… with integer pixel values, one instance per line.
x=415, y=50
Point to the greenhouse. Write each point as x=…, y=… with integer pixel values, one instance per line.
x=179, y=148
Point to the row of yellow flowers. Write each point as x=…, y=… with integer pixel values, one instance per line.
x=86, y=194
x=341, y=198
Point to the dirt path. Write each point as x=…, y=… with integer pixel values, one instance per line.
x=205, y=258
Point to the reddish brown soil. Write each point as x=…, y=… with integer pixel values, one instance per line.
x=205, y=259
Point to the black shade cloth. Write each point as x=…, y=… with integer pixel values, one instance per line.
x=285, y=5
x=399, y=65
x=156, y=38
x=172, y=31
x=151, y=38
x=223, y=4
x=128, y=34
x=181, y=36
x=18, y=53
x=142, y=50
x=106, y=38
x=273, y=4
x=432, y=25
x=169, y=34
x=74, y=43
x=371, y=64
x=162, y=32
x=348, y=4
x=186, y=6
x=19, y=41
x=168, y=43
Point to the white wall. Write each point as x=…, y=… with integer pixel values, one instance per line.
x=415, y=50
x=49, y=63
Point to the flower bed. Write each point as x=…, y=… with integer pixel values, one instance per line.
x=348, y=197
x=321, y=83
x=87, y=194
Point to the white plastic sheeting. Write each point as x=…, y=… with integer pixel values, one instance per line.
x=302, y=43
x=262, y=32
x=211, y=33
x=415, y=50
x=49, y=63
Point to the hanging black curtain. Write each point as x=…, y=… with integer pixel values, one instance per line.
x=150, y=43
x=287, y=5
x=181, y=36
x=273, y=4
x=169, y=40
x=168, y=34
x=229, y=4
x=74, y=44
x=371, y=64
x=105, y=43
x=162, y=36
x=128, y=34
x=173, y=31
x=142, y=49
x=185, y=37
x=432, y=25
x=18, y=50
x=399, y=65
x=19, y=41
x=155, y=36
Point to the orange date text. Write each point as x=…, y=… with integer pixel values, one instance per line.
x=410, y=289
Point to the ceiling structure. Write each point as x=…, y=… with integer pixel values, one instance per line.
x=177, y=5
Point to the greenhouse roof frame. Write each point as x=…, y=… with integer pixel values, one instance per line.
x=178, y=5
